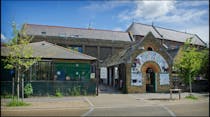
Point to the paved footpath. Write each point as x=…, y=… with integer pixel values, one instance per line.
x=145, y=104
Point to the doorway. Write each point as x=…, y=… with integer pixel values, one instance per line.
x=150, y=80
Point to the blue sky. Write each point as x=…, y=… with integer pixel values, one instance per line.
x=189, y=16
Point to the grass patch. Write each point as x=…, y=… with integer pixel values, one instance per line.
x=6, y=96
x=15, y=102
x=191, y=97
x=58, y=93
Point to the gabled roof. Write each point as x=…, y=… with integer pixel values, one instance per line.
x=33, y=29
x=45, y=49
x=124, y=55
x=163, y=33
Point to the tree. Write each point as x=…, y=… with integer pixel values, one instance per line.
x=204, y=71
x=188, y=62
x=20, y=54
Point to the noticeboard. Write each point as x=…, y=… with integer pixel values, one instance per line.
x=103, y=73
x=164, y=79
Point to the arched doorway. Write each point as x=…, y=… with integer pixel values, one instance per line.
x=151, y=70
x=150, y=80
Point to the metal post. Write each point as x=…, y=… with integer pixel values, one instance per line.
x=13, y=85
x=18, y=85
x=170, y=94
x=97, y=81
x=22, y=87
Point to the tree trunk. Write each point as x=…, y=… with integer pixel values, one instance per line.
x=190, y=84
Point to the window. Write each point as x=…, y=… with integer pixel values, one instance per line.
x=41, y=70
x=62, y=35
x=149, y=49
x=74, y=36
x=76, y=48
x=43, y=33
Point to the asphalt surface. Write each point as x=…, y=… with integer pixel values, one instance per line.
x=109, y=103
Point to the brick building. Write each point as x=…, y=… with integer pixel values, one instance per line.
x=137, y=60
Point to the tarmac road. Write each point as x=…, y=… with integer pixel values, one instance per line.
x=45, y=112
x=112, y=105
x=192, y=109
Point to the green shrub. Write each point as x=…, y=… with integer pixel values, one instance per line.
x=58, y=93
x=28, y=90
x=15, y=102
x=191, y=97
x=76, y=90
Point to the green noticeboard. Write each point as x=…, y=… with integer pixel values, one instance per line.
x=72, y=70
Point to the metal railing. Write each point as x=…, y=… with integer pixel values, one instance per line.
x=44, y=88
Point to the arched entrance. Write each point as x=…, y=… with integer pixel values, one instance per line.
x=150, y=80
x=151, y=69
x=148, y=72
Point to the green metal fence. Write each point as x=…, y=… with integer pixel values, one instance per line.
x=73, y=70
x=44, y=88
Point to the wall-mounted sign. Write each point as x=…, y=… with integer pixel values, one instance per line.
x=136, y=78
x=92, y=75
x=103, y=73
x=164, y=79
x=150, y=56
x=116, y=73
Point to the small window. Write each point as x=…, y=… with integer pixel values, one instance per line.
x=43, y=33
x=149, y=49
x=62, y=35
x=134, y=80
x=74, y=36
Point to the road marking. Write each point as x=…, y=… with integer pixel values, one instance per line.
x=87, y=113
x=89, y=102
x=169, y=111
x=91, y=107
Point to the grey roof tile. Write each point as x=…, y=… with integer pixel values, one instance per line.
x=168, y=34
x=45, y=49
x=33, y=29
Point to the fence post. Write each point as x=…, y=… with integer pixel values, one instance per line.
x=13, y=85
x=22, y=85
x=97, y=80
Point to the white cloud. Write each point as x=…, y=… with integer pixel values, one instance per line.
x=148, y=10
x=99, y=6
x=164, y=11
x=117, y=29
x=153, y=9
x=3, y=37
x=183, y=16
x=192, y=3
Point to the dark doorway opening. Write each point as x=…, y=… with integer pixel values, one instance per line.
x=150, y=80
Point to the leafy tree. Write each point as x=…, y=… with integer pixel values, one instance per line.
x=188, y=62
x=20, y=54
x=205, y=64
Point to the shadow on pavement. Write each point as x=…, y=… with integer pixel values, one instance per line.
x=104, y=89
x=161, y=99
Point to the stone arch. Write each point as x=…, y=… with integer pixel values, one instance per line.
x=150, y=64
x=149, y=49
